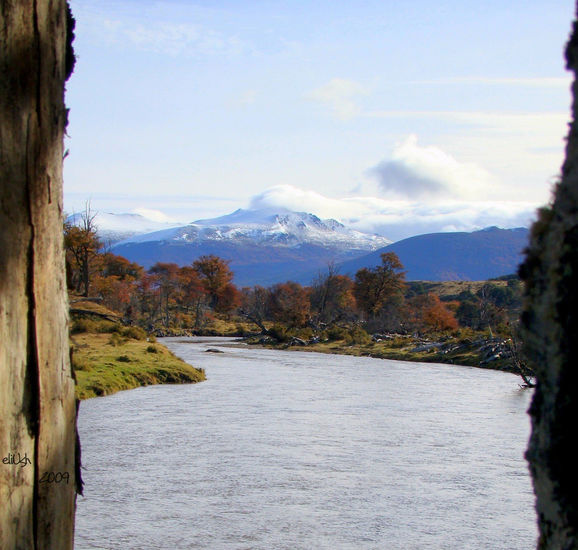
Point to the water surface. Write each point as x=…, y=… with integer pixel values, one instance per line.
x=297, y=450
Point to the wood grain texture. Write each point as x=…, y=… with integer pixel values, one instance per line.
x=37, y=405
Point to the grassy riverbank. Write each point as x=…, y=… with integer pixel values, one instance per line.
x=108, y=357
x=104, y=364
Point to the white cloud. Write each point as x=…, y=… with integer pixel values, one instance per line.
x=339, y=95
x=426, y=172
x=300, y=200
x=175, y=38
x=167, y=32
x=399, y=219
x=154, y=215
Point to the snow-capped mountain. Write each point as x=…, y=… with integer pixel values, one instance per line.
x=265, y=227
x=112, y=228
x=263, y=246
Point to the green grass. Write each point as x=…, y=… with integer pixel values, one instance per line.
x=104, y=365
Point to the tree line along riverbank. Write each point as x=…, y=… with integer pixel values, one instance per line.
x=375, y=313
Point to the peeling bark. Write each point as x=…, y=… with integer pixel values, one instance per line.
x=37, y=404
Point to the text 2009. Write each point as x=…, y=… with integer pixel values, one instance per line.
x=55, y=477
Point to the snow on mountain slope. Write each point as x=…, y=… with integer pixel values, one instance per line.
x=267, y=228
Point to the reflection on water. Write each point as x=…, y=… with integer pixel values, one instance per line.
x=291, y=450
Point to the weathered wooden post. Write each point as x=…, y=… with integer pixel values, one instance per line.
x=37, y=404
x=550, y=320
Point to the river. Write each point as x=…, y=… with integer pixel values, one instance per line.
x=298, y=450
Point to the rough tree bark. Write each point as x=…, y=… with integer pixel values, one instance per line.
x=37, y=404
x=550, y=321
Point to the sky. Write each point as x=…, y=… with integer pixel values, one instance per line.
x=394, y=117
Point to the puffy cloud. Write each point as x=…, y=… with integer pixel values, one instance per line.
x=339, y=95
x=288, y=197
x=398, y=219
x=426, y=172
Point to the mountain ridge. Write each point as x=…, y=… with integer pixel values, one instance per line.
x=453, y=256
x=275, y=245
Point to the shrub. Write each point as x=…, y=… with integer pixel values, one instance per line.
x=82, y=325
x=279, y=333
x=80, y=363
x=337, y=333
x=135, y=333
x=123, y=358
x=241, y=330
x=357, y=336
x=106, y=327
x=152, y=349
x=116, y=339
x=303, y=333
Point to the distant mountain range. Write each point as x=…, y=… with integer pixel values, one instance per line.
x=266, y=247
x=263, y=246
x=475, y=256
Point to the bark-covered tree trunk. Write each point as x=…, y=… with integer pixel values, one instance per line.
x=37, y=404
x=550, y=320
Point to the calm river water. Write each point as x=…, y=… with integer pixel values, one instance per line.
x=297, y=450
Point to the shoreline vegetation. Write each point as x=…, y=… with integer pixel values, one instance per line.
x=108, y=357
x=473, y=351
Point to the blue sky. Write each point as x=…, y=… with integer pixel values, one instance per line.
x=397, y=117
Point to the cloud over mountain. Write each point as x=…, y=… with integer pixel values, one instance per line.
x=398, y=219
x=428, y=172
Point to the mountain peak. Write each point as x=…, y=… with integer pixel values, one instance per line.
x=270, y=227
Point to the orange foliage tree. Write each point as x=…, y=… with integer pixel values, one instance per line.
x=289, y=303
x=427, y=313
x=216, y=277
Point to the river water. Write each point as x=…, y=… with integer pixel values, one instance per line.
x=298, y=450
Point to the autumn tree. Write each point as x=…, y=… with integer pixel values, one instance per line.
x=167, y=283
x=332, y=297
x=379, y=292
x=193, y=296
x=115, y=282
x=82, y=245
x=254, y=305
x=112, y=265
x=229, y=299
x=217, y=277
x=427, y=313
x=288, y=303
x=146, y=295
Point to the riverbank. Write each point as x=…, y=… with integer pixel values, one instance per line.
x=474, y=351
x=107, y=363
